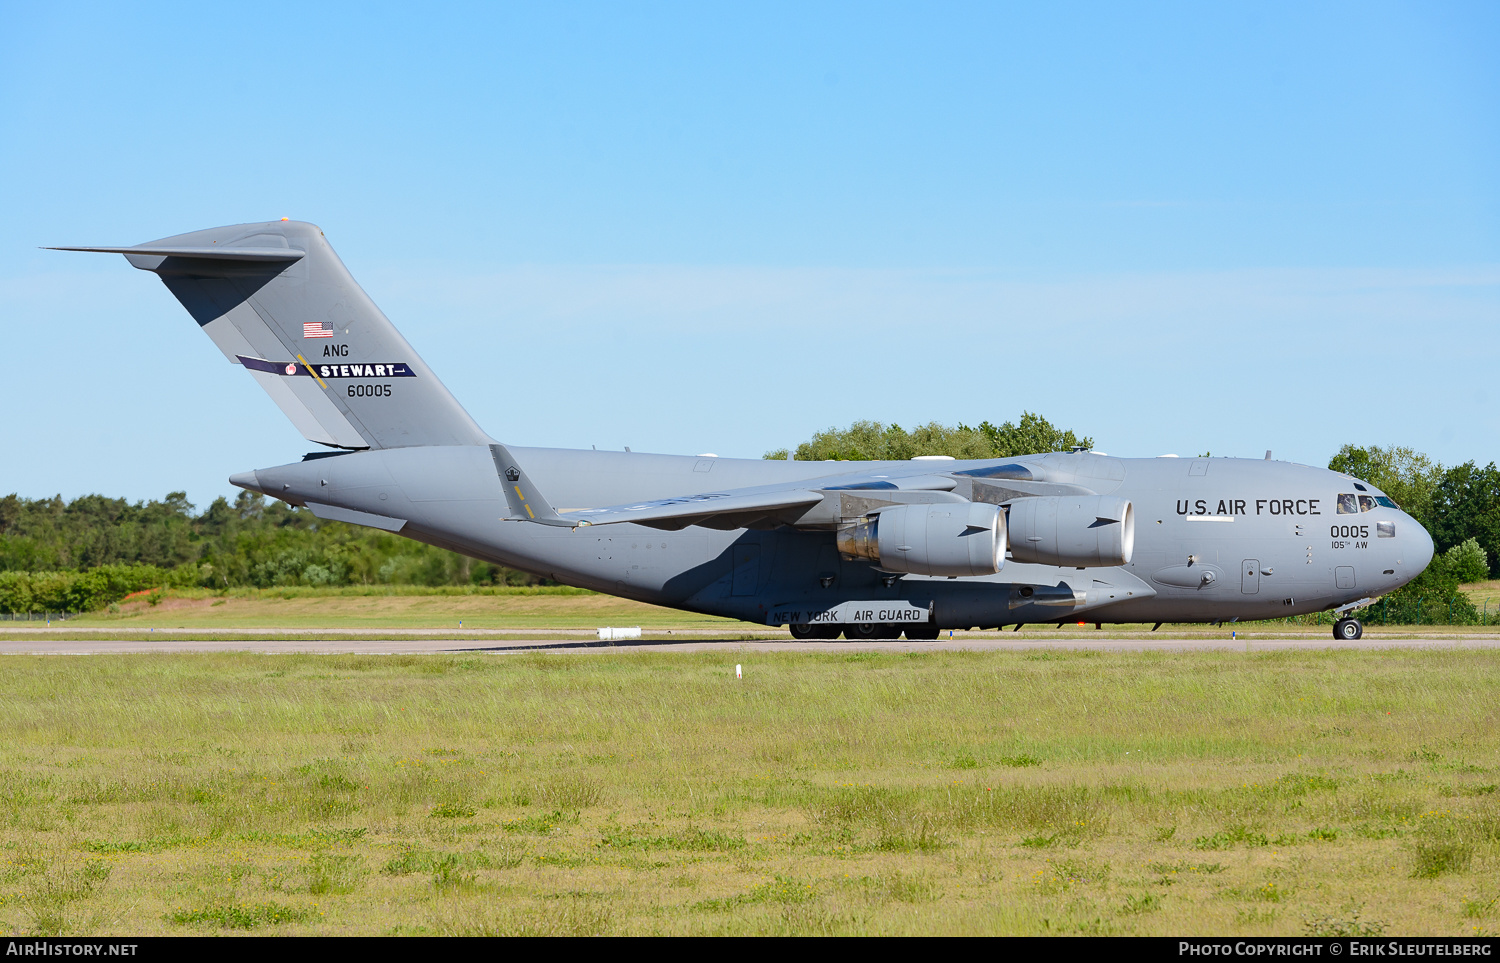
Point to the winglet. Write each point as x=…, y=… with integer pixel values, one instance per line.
x=526, y=503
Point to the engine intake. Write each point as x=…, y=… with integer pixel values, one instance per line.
x=946, y=539
x=1082, y=531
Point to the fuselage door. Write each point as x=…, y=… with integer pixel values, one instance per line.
x=1250, y=576
x=1343, y=576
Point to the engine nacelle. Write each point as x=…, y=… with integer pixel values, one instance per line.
x=945, y=539
x=1082, y=531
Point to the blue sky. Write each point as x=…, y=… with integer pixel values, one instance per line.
x=698, y=227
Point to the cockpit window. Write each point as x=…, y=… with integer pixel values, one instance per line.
x=1366, y=503
x=1385, y=502
x=1348, y=505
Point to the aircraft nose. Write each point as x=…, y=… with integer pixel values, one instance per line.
x=1420, y=552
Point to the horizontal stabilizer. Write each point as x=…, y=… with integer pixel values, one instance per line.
x=210, y=251
x=335, y=514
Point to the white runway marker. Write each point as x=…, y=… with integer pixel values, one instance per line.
x=737, y=671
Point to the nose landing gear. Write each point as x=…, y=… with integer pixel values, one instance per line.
x=1347, y=630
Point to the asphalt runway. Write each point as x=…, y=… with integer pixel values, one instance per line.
x=42, y=645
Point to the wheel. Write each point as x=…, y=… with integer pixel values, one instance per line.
x=922, y=632
x=869, y=632
x=802, y=631
x=1347, y=630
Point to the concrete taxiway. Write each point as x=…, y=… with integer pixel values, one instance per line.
x=41, y=644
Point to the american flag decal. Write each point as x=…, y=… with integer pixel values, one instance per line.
x=315, y=329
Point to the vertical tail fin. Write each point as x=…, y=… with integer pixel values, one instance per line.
x=276, y=298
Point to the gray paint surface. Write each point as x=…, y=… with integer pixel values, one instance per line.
x=1202, y=540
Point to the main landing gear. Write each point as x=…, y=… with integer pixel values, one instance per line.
x=864, y=632
x=1347, y=630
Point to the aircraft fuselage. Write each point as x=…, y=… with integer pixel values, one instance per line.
x=1215, y=538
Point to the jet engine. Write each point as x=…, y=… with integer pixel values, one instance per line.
x=944, y=539
x=1082, y=531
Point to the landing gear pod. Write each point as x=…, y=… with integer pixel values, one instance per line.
x=947, y=539
x=1083, y=531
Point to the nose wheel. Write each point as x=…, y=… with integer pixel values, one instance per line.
x=1347, y=630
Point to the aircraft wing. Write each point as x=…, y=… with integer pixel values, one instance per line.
x=818, y=503
x=744, y=507
x=680, y=512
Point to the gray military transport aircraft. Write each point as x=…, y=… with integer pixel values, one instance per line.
x=868, y=550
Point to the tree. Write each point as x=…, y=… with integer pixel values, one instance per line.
x=1466, y=507
x=1470, y=562
x=873, y=441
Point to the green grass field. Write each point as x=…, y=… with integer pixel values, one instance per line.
x=1484, y=595
x=1303, y=792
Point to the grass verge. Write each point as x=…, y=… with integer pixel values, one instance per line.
x=981, y=793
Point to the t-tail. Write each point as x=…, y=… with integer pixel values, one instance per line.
x=276, y=299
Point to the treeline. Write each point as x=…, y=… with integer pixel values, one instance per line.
x=85, y=591
x=873, y=441
x=91, y=551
